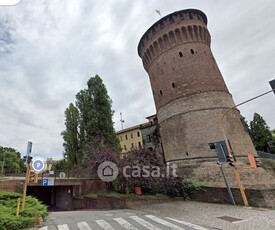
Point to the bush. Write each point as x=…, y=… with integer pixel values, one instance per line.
x=32, y=212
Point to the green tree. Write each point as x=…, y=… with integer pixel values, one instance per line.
x=95, y=109
x=90, y=119
x=10, y=161
x=245, y=124
x=261, y=134
x=71, y=136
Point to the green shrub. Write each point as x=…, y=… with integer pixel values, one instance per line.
x=192, y=185
x=32, y=212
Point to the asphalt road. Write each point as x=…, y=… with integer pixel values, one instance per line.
x=115, y=219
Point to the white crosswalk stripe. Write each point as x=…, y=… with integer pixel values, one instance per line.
x=83, y=226
x=165, y=223
x=188, y=224
x=63, y=227
x=103, y=224
x=125, y=224
x=144, y=223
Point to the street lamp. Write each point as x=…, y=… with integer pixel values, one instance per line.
x=236, y=172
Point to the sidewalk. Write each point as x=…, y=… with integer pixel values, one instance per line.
x=206, y=215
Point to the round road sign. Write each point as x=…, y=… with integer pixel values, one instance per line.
x=62, y=175
x=38, y=164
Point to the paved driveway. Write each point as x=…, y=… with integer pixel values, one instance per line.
x=215, y=216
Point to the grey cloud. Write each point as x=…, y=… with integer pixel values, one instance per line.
x=55, y=46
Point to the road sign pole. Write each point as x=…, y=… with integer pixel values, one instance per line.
x=25, y=186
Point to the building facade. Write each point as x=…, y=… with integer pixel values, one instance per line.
x=139, y=136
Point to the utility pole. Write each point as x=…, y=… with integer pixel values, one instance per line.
x=121, y=120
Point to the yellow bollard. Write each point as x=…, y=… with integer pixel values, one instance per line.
x=18, y=207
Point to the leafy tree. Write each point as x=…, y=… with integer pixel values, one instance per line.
x=245, y=124
x=10, y=161
x=95, y=109
x=89, y=119
x=61, y=165
x=261, y=134
x=70, y=135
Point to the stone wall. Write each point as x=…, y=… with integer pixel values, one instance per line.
x=257, y=198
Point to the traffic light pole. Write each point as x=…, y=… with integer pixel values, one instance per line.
x=226, y=184
x=236, y=171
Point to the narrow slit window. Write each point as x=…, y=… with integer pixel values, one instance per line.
x=173, y=85
x=192, y=51
x=160, y=92
x=180, y=53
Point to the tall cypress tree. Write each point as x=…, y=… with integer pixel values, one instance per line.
x=90, y=119
x=71, y=136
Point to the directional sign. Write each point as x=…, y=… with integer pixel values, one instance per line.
x=48, y=182
x=38, y=164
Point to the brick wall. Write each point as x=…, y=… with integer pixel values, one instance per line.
x=11, y=186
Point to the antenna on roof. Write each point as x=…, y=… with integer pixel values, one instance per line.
x=121, y=121
x=158, y=12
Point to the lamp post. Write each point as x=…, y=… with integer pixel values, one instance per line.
x=236, y=171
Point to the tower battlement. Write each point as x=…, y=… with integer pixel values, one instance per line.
x=185, y=26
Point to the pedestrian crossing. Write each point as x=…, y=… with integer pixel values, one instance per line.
x=133, y=222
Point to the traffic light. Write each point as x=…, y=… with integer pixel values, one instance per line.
x=257, y=160
x=272, y=84
x=27, y=159
x=230, y=160
x=33, y=177
x=222, y=152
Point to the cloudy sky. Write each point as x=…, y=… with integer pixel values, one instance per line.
x=49, y=49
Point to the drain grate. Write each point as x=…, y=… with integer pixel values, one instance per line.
x=229, y=218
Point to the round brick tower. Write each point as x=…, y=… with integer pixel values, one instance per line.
x=189, y=91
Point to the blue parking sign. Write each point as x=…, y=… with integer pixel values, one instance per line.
x=45, y=182
x=38, y=164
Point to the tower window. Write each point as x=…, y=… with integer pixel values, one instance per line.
x=126, y=138
x=160, y=92
x=173, y=85
x=192, y=51
x=180, y=53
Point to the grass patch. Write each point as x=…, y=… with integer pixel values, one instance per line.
x=193, y=185
x=130, y=196
x=33, y=211
x=269, y=164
